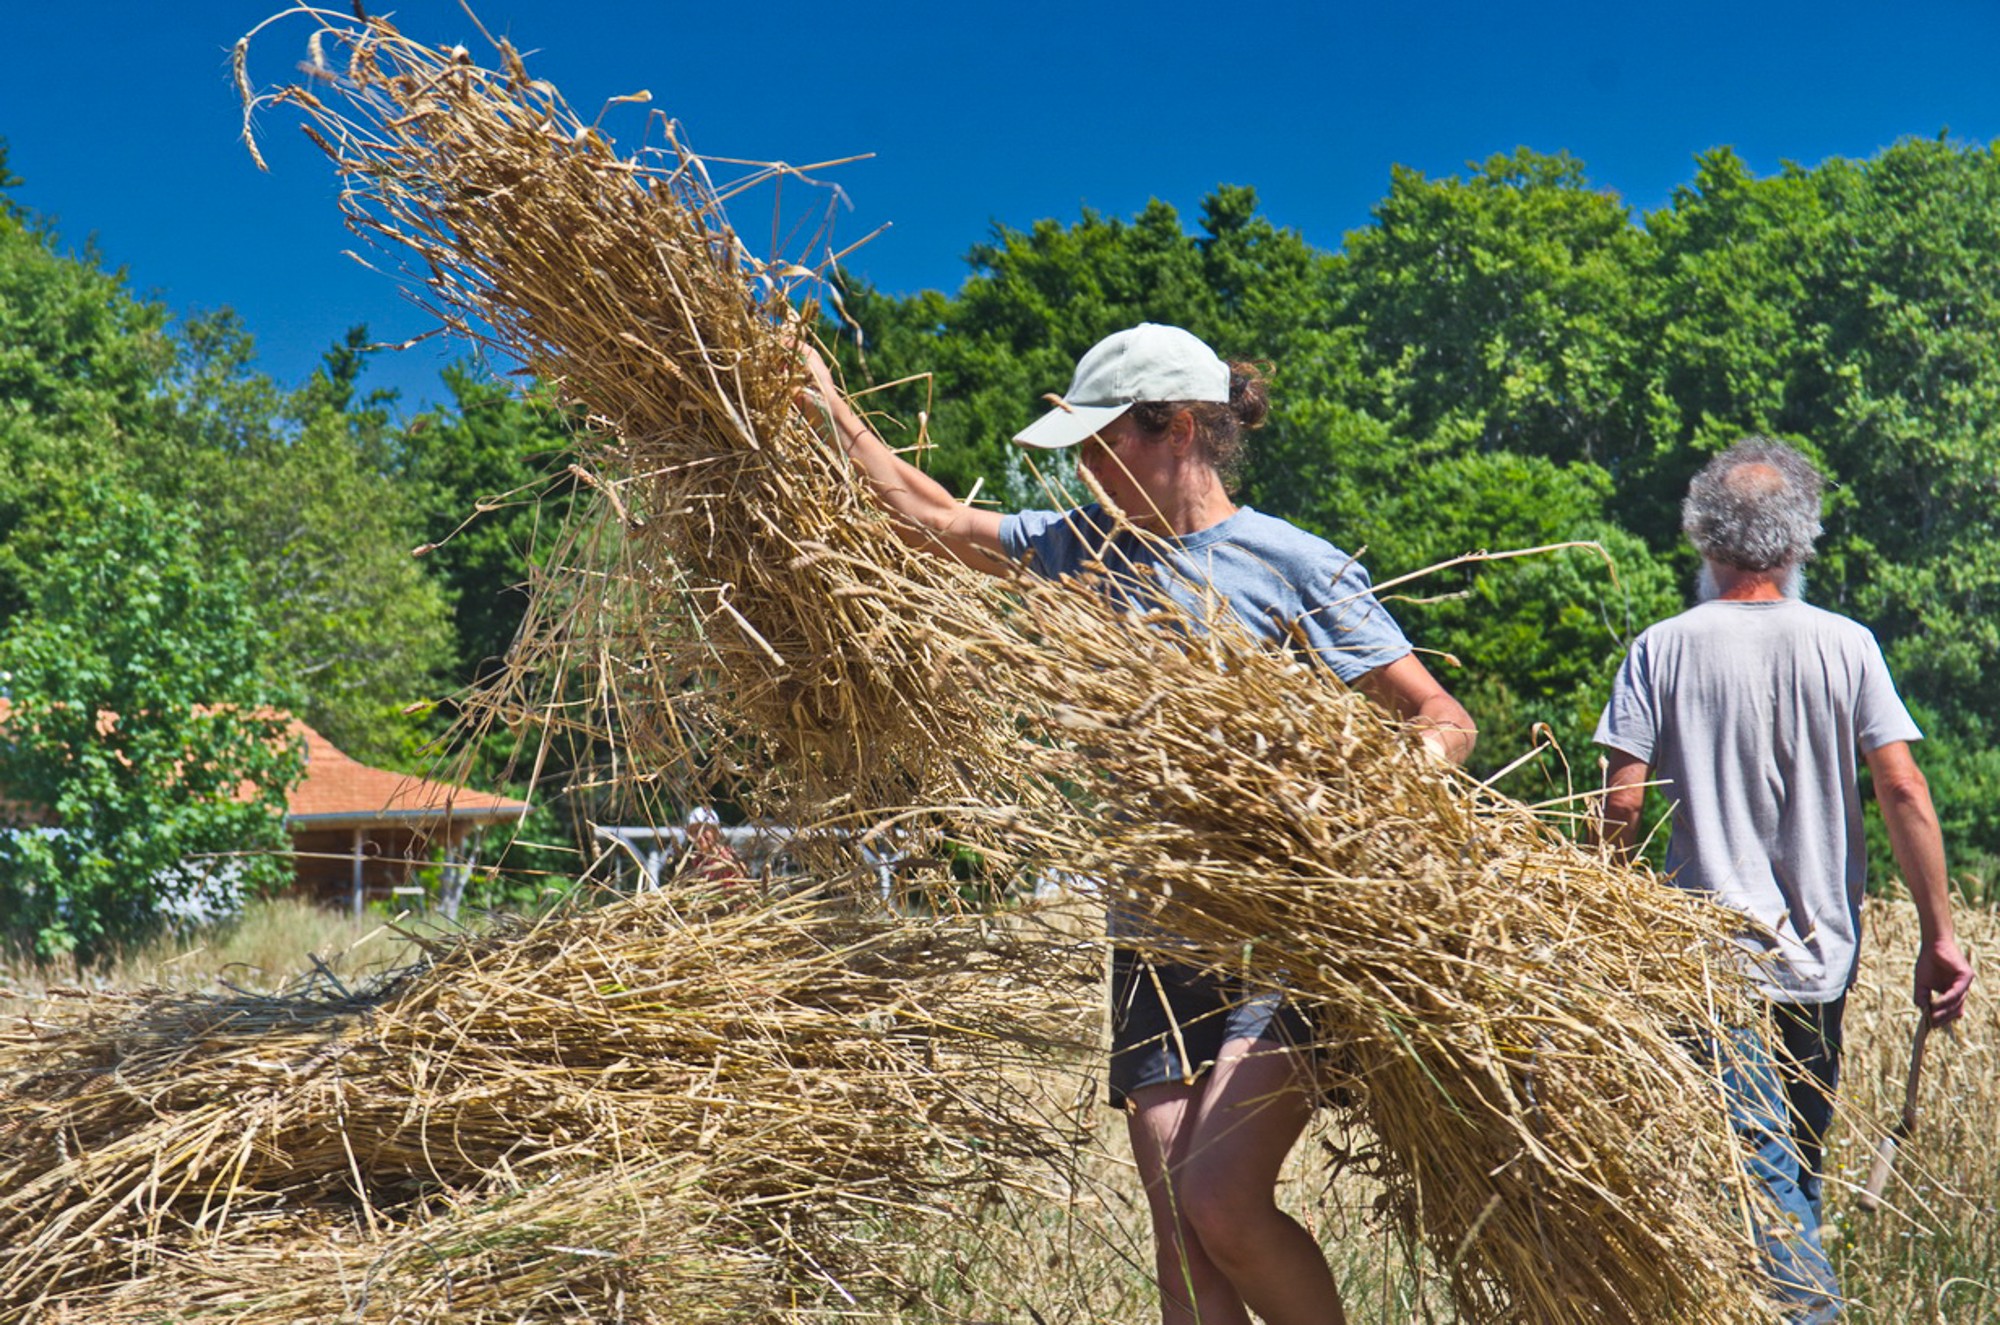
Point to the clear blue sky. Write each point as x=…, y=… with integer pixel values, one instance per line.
x=123, y=122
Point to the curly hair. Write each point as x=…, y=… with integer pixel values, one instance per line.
x=1218, y=428
x=1754, y=507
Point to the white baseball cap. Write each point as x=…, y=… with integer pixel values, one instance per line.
x=701, y=814
x=1146, y=362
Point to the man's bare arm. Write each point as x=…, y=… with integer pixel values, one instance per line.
x=1943, y=975
x=1625, y=779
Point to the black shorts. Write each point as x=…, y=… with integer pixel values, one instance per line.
x=1156, y=1039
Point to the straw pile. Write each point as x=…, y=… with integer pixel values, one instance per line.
x=620, y=1114
x=1511, y=1002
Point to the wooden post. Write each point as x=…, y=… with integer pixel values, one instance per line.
x=451, y=884
x=360, y=891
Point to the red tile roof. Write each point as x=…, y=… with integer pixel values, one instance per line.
x=340, y=790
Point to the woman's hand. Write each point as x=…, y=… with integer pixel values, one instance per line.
x=818, y=390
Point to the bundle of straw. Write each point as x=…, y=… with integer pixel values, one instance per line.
x=639, y=1245
x=1512, y=1001
x=619, y=284
x=760, y=1083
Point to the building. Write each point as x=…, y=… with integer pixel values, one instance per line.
x=361, y=833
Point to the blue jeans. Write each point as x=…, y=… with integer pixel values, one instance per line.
x=1798, y=1269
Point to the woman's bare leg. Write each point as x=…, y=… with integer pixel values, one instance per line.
x=1192, y=1290
x=1210, y=1156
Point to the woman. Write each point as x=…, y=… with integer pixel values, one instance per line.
x=1160, y=419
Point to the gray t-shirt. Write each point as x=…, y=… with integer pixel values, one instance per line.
x=1287, y=586
x=1753, y=714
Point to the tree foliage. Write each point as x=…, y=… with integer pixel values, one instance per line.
x=489, y=475
x=97, y=386
x=1502, y=311
x=307, y=483
x=306, y=513
x=79, y=360
x=138, y=716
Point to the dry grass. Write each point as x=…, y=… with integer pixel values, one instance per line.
x=263, y=950
x=1072, y=1248
x=1932, y=1254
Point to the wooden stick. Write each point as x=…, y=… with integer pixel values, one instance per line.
x=1885, y=1154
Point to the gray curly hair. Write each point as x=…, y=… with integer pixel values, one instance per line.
x=1754, y=507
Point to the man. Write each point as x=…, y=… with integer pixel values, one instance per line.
x=1750, y=710
x=710, y=857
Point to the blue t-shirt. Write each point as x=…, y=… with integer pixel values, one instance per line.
x=1285, y=585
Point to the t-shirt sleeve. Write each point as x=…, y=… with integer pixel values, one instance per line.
x=1880, y=717
x=1629, y=721
x=1050, y=543
x=1344, y=624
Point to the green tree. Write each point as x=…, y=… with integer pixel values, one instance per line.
x=79, y=362
x=1738, y=345
x=76, y=350
x=97, y=387
x=1501, y=311
x=490, y=475
x=139, y=717
x=1531, y=641
x=1854, y=308
x=1911, y=302
x=307, y=484
x=489, y=479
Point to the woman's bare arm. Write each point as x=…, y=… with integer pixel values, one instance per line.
x=927, y=515
x=1407, y=689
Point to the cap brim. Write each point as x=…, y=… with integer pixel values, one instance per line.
x=1067, y=425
